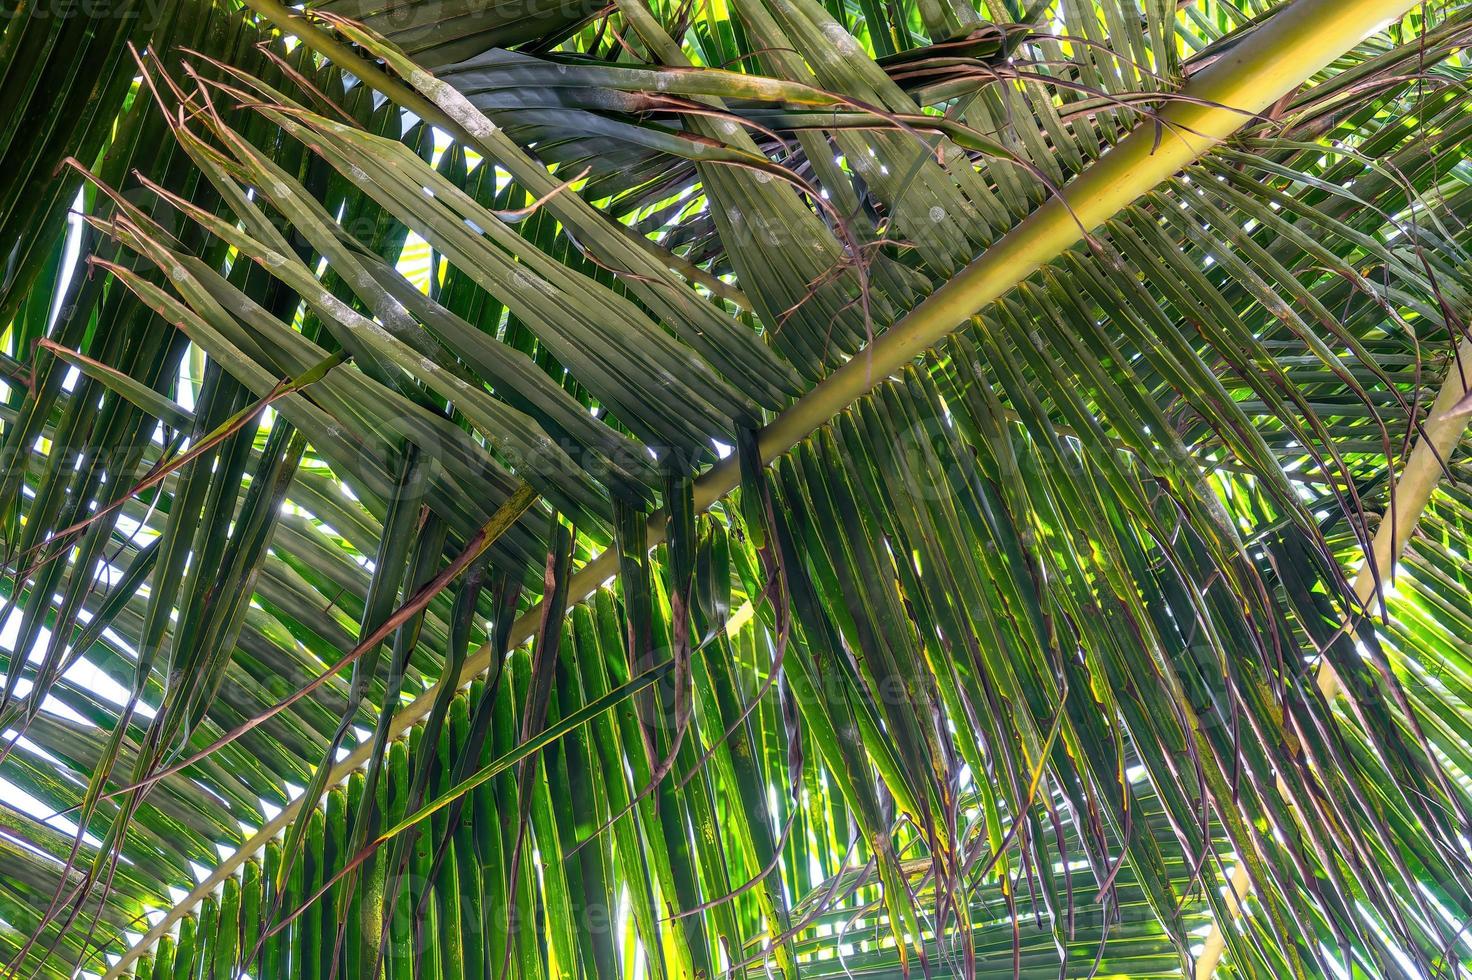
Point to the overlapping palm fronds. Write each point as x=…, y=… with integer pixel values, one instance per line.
x=399, y=580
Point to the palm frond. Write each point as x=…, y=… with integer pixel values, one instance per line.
x=763, y=488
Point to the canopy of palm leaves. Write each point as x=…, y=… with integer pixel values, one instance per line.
x=546, y=488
